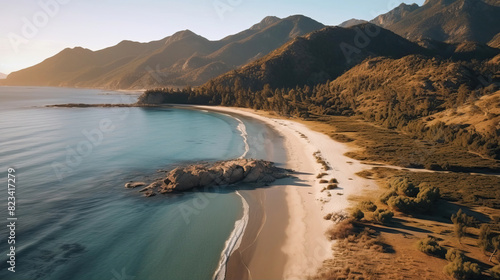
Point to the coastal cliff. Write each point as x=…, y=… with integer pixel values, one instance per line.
x=220, y=173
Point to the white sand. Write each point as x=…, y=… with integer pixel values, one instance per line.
x=306, y=245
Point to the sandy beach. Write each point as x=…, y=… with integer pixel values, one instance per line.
x=303, y=243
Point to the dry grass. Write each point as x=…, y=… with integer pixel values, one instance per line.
x=369, y=255
x=483, y=115
x=322, y=161
x=467, y=189
x=397, y=256
x=321, y=175
x=391, y=252
x=374, y=143
x=341, y=230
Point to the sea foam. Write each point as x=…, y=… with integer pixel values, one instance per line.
x=234, y=240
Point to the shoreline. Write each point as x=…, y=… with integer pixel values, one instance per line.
x=234, y=241
x=305, y=245
x=296, y=242
x=292, y=244
x=240, y=226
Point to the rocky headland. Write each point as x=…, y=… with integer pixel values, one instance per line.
x=221, y=173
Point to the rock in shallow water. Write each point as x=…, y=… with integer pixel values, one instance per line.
x=132, y=185
x=220, y=173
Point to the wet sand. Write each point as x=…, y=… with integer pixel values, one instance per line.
x=285, y=238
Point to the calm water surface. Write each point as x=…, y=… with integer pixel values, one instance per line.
x=75, y=218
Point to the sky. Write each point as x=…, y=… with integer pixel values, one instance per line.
x=33, y=30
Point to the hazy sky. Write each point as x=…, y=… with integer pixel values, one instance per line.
x=33, y=30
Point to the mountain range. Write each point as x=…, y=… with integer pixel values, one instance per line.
x=181, y=59
x=320, y=56
x=292, y=51
x=451, y=21
x=445, y=20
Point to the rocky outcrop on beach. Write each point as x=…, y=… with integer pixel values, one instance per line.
x=222, y=173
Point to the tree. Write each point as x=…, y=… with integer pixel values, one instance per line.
x=430, y=246
x=495, y=242
x=357, y=214
x=484, y=240
x=454, y=254
x=382, y=216
x=461, y=270
x=368, y=205
x=461, y=221
x=460, y=231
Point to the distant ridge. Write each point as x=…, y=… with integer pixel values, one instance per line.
x=395, y=15
x=317, y=57
x=352, y=22
x=267, y=21
x=279, y=52
x=184, y=58
x=451, y=21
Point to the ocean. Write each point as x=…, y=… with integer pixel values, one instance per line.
x=75, y=219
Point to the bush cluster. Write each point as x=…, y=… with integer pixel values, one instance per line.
x=460, y=223
x=357, y=214
x=341, y=230
x=405, y=197
x=462, y=270
x=382, y=216
x=430, y=246
x=368, y=205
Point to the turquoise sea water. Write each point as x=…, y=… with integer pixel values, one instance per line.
x=75, y=218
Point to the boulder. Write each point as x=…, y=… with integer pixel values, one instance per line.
x=133, y=185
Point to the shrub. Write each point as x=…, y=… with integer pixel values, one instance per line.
x=461, y=217
x=454, y=254
x=404, y=187
x=401, y=203
x=385, y=197
x=341, y=230
x=332, y=186
x=460, y=231
x=461, y=221
x=323, y=181
x=495, y=243
x=495, y=271
x=333, y=181
x=403, y=196
x=357, y=214
x=321, y=175
x=368, y=205
x=382, y=216
x=338, y=217
x=428, y=193
x=461, y=270
x=422, y=205
x=430, y=246
x=484, y=241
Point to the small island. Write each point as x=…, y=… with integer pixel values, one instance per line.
x=221, y=173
